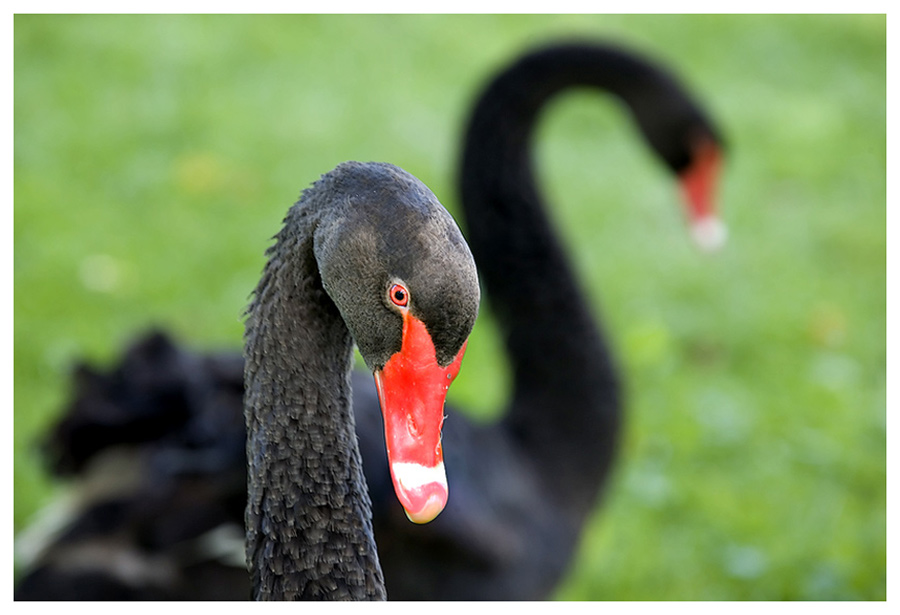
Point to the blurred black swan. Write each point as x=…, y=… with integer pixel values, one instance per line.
x=521, y=488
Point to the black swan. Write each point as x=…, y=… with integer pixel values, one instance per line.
x=522, y=488
x=367, y=255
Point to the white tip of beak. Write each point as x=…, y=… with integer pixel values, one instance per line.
x=709, y=233
x=421, y=490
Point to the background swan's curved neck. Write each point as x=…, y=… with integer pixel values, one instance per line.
x=565, y=386
x=505, y=116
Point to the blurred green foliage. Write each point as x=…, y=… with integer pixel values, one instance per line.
x=156, y=155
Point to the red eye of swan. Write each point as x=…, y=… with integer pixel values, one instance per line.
x=399, y=295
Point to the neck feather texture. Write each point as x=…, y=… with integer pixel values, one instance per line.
x=309, y=531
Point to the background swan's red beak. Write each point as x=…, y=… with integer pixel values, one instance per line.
x=698, y=184
x=412, y=388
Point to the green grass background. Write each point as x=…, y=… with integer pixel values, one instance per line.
x=156, y=155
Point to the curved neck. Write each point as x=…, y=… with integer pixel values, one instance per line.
x=668, y=118
x=309, y=532
x=566, y=391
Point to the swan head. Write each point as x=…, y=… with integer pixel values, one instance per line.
x=699, y=180
x=397, y=267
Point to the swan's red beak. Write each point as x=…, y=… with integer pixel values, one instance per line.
x=698, y=185
x=412, y=388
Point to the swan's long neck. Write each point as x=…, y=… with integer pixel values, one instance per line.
x=309, y=533
x=566, y=397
